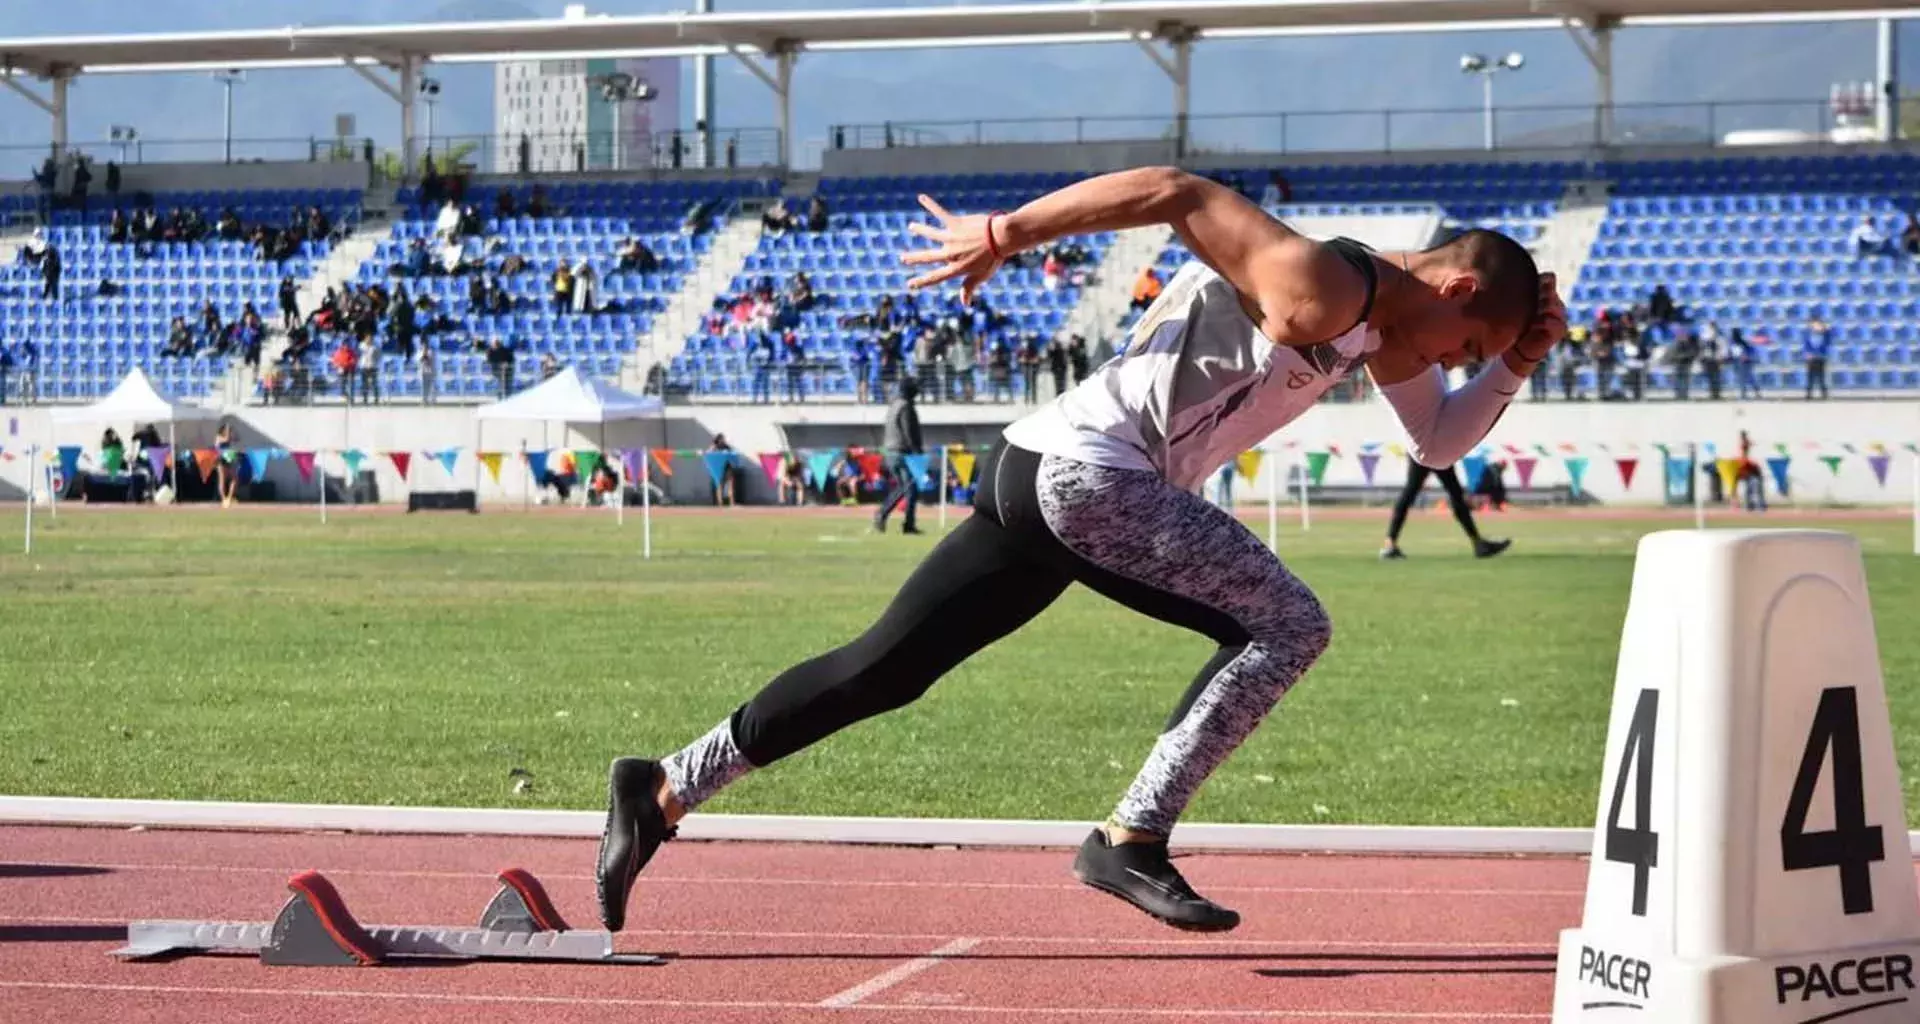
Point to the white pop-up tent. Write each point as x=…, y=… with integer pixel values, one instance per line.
x=572, y=397
x=133, y=400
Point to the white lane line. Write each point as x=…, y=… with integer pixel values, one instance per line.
x=1108, y=1013
x=1278, y=946
x=831, y=883
x=886, y=980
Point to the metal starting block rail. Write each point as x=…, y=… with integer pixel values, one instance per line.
x=315, y=929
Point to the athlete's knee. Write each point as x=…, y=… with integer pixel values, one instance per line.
x=1294, y=622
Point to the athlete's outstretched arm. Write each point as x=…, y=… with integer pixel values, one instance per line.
x=1442, y=426
x=1303, y=293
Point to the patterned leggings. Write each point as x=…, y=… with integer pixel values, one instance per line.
x=1041, y=523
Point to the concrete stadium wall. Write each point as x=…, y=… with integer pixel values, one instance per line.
x=755, y=429
x=204, y=177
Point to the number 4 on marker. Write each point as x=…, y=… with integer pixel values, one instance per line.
x=1639, y=845
x=1852, y=845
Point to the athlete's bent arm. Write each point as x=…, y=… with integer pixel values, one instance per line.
x=1299, y=292
x=1442, y=426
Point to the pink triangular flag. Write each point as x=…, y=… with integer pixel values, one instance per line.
x=401, y=460
x=1523, y=465
x=303, y=461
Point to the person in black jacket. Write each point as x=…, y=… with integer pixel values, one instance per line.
x=901, y=440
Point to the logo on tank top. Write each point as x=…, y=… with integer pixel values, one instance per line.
x=1328, y=360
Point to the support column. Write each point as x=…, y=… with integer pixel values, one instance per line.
x=1178, y=68
x=1594, y=36
x=409, y=98
x=58, y=108
x=780, y=80
x=703, y=96
x=1888, y=80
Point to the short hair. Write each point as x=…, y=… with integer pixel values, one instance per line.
x=1509, y=279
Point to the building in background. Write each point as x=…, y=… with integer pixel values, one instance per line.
x=559, y=113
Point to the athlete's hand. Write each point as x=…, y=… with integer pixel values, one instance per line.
x=1549, y=327
x=964, y=252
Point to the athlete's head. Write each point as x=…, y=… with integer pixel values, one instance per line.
x=1487, y=291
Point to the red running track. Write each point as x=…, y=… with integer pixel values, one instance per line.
x=762, y=932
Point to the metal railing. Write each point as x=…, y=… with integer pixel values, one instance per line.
x=1364, y=131
x=604, y=152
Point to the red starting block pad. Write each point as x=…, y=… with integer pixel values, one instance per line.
x=315, y=929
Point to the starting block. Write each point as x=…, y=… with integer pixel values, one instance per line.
x=1751, y=861
x=315, y=929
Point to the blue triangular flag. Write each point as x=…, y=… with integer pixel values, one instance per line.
x=819, y=464
x=69, y=461
x=717, y=463
x=1476, y=467
x=917, y=465
x=447, y=459
x=1778, y=465
x=537, y=465
x=257, y=459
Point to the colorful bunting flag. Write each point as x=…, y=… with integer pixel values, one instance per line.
x=353, y=457
x=1879, y=464
x=770, y=463
x=205, y=458
x=869, y=463
x=1679, y=470
x=633, y=460
x=1729, y=472
x=962, y=462
x=717, y=463
x=157, y=457
x=1833, y=463
x=69, y=461
x=1396, y=451
x=1523, y=467
x=1777, y=465
x=585, y=460
x=1369, y=462
x=303, y=461
x=1476, y=468
x=820, y=466
x=663, y=457
x=1317, y=466
x=448, y=458
x=402, y=461
x=917, y=465
x=257, y=459
x=492, y=460
x=1626, y=466
x=1247, y=463
x=1576, y=472
x=537, y=467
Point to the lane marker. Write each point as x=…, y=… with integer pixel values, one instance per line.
x=1108, y=1013
x=828, y=883
x=1279, y=946
x=886, y=980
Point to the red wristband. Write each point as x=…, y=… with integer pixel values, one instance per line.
x=992, y=248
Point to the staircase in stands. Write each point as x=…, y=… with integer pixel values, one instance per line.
x=667, y=335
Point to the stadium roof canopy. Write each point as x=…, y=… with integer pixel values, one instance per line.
x=1166, y=28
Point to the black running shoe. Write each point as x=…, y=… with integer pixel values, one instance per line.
x=635, y=829
x=1392, y=554
x=1489, y=548
x=1141, y=874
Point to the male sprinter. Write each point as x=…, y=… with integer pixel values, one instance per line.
x=1098, y=488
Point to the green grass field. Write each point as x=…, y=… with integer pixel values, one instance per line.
x=393, y=659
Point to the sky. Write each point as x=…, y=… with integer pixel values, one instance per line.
x=1766, y=76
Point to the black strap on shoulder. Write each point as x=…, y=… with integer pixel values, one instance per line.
x=1361, y=256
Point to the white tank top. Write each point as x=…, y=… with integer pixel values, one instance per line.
x=1196, y=385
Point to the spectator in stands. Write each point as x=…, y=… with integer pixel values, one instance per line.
x=760, y=361
x=503, y=208
x=26, y=363
x=1868, y=239
x=117, y=228
x=34, y=251
x=1606, y=338
x=432, y=186
x=249, y=334
x=537, y=205
x=1910, y=236
x=500, y=362
x=1660, y=305
x=1817, y=345
x=447, y=225
x=1681, y=356
x=1713, y=354
x=1743, y=354
x=584, y=290
x=1568, y=356
x=6, y=370
x=1639, y=356
x=179, y=340
x=402, y=326
x=50, y=268
x=429, y=373
x=816, y=213
x=800, y=291
x=862, y=361
x=699, y=216
x=549, y=367
x=1029, y=368
x=1057, y=365
x=777, y=220
x=289, y=296
x=723, y=487
x=472, y=225
x=1278, y=191
x=636, y=258
x=562, y=288
x=82, y=177
x=793, y=353
x=228, y=227
x=1077, y=358
x=1146, y=288
x=345, y=362
x=369, y=363
x=1052, y=271
x=999, y=370
x=47, y=178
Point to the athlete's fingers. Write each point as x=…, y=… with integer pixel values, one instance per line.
x=935, y=277
x=929, y=232
x=915, y=257
x=935, y=208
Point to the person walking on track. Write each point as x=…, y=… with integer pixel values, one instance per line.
x=1456, y=496
x=1099, y=487
x=902, y=438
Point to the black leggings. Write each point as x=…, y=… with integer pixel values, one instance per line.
x=1416, y=479
x=1041, y=523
